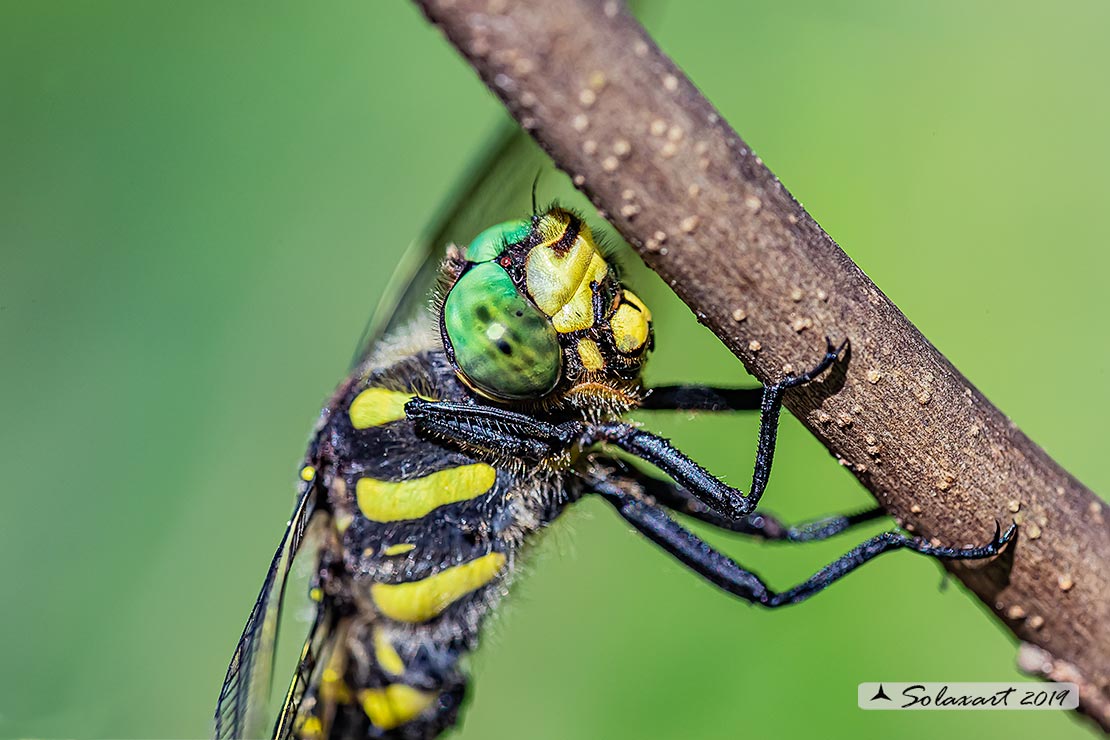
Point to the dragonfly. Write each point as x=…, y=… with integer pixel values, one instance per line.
x=488, y=395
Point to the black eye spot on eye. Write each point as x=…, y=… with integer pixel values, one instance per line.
x=519, y=314
x=505, y=347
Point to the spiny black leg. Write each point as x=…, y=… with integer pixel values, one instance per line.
x=712, y=398
x=726, y=501
x=771, y=407
x=757, y=524
x=727, y=574
x=495, y=430
x=825, y=527
x=885, y=542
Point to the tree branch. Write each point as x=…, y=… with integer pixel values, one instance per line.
x=651, y=152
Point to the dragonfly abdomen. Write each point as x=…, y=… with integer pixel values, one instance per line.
x=424, y=542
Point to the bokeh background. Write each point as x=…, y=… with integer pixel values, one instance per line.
x=201, y=202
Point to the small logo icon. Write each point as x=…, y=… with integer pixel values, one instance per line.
x=880, y=694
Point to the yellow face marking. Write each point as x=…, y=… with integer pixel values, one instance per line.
x=398, y=549
x=387, y=655
x=419, y=601
x=377, y=406
x=578, y=313
x=627, y=296
x=590, y=355
x=560, y=283
x=394, y=705
x=553, y=277
x=387, y=501
x=308, y=473
x=630, y=324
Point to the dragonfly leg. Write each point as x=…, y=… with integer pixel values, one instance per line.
x=769, y=404
x=497, y=431
x=758, y=524
x=713, y=398
x=728, y=575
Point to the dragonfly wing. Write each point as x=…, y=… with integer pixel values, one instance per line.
x=318, y=636
x=241, y=709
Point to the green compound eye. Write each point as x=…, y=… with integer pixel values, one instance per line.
x=487, y=245
x=504, y=346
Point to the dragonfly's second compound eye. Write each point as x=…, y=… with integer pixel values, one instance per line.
x=503, y=346
x=487, y=246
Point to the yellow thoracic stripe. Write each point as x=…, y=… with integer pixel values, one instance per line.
x=394, y=501
x=419, y=601
x=377, y=406
x=394, y=705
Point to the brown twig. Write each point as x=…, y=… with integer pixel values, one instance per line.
x=588, y=83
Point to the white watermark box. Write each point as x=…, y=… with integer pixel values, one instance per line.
x=962, y=696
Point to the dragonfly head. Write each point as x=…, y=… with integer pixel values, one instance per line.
x=537, y=314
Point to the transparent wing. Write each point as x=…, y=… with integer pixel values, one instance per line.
x=241, y=709
x=498, y=187
x=318, y=635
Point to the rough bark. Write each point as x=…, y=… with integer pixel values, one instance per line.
x=652, y=153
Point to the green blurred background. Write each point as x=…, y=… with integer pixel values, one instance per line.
x=201, y=202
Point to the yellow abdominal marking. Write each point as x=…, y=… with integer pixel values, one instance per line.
x=394, y=705
x=316, y=594
x=630, y=323
x=311, y=727
x=389, y=501
x=333, y=688
x=377, y=406
x=419, y=601
x=590, y=355
x=560, y=284
x=398, y=549
x=387, y=655
x=343, y=520
x=308, y=473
